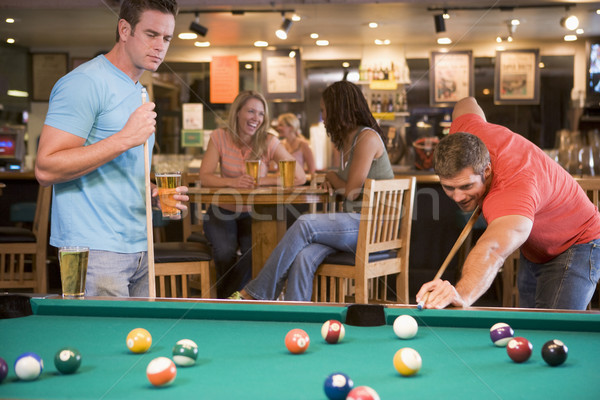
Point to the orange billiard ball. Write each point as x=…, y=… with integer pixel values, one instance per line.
x=139, y=340
x=297, y=341
x=161, y=371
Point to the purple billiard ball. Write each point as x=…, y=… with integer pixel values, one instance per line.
x=554, y=352
x=337, y=386
x=501, y=334
x=3, y=369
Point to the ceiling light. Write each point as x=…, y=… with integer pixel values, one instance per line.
x=296, y=18
x=440, y=24
x=292, y=54
x=10, y=20
x=282, y=32
x=509, y=39
x=570, y=38
x=322, y=42
x=384, y=42
x=187, y=36
x=579, y=31
x=248, y=66
x=373, y=25
x=444, y=40
x=197, y=28
x=17, y=93
x=314, y=35
x=10, y=40
x=445, y=15
x=202, y=44
x=498, y=39
x=541, y=65
x=515, y=22
x=345, y=64
x=260, y=43
x=571, y=22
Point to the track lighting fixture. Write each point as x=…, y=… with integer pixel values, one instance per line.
x=197, y=28
x=282, y=32
x=440, y=24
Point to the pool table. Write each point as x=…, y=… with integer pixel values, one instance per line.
x=242, y=352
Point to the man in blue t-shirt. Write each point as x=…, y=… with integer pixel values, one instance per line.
x=91, y=150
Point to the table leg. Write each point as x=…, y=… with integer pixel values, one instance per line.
x=268, y=227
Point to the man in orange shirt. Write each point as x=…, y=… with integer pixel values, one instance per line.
x=529, y=202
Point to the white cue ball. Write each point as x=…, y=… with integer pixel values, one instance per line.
x=405, y=327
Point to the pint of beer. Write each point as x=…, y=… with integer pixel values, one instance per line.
x=253, y=169
x=166, y=183
x=287, y=169
x=73, y=268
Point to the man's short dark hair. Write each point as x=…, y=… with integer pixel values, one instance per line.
x=131, y=10
x=458, y=151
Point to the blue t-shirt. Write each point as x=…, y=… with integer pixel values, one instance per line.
x=104, y=209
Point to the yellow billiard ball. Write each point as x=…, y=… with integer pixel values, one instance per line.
x=139, y=340
x=407, y=361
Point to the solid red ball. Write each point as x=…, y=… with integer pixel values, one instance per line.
x=297, y=341
x=519, y=349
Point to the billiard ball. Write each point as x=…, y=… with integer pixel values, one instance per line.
x=297, y=341
x=519, y=349
x=405, y=327
x=407, y=361
x=139, y=340
x=554, y=352
x=362, y=393
x=29, y=366
x=161, y=371
x=3, y=369
x=67, y=360
x=337, y=386
x=185, y=353
x=501, y=334
x=333, y=331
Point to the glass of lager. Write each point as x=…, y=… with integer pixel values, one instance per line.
x=253, y=169
x=287, y=169
x=73, y=268
x=166, y=183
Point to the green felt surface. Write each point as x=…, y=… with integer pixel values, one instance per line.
x=242, y=352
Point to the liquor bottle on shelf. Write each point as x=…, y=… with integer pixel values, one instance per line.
x=378, y=106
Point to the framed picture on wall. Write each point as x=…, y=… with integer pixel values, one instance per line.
x=450, y=77
x=46, y=69
x=281, y=75
x=517, y=77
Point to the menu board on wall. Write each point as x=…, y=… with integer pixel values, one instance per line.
x=281, y=75
x=224, y=79
x=47, y=68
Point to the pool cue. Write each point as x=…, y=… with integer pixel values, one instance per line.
x=149, y=237
x=463, y=235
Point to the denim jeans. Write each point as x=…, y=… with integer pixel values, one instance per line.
x=566, y=282
x=117, y=274
x=300, y=252
x=228, y=232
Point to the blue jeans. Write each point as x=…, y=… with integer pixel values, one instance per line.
x=566, y=282
x=117, y=274
x=228, y=231
x=300, y=252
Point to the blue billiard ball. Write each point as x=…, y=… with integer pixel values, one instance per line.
x=337, y=386
x=29, y=366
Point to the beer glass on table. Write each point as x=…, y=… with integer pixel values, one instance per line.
x=166, y=183
x=253, y=169
x=287, y=169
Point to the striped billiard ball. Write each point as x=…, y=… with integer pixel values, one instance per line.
x=333, y=331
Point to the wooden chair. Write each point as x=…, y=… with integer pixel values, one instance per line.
x=19, y=246
x=382, y=248
x=176, y=262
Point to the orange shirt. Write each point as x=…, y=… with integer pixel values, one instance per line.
x=525, y=181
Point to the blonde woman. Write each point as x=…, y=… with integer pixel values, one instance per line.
x=228, y=227
x=288, y=127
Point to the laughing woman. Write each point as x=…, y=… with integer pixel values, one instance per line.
x=228, y=227
x=360, y=140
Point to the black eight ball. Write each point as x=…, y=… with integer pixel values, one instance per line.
x=554, y=352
